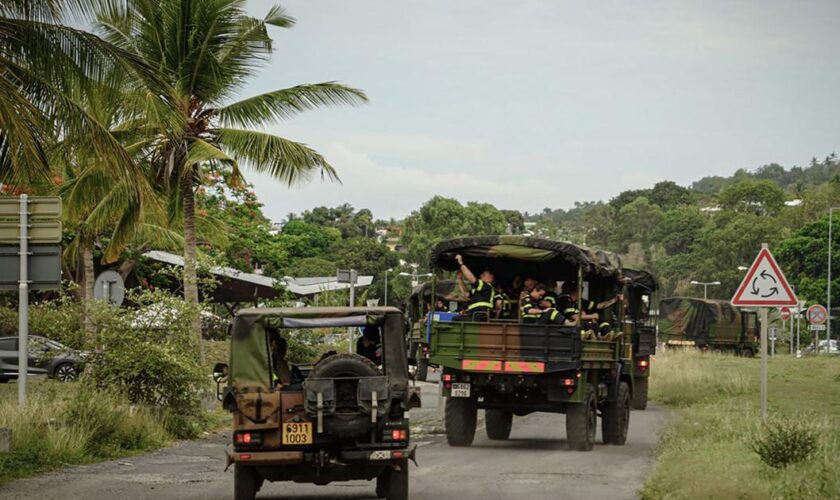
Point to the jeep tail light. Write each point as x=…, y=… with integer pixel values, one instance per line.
x=247, y=438
x=569, y=382
x=447, y=377
x=399, y=435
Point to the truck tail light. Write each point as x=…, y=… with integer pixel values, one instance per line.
x=399, y=435
x=643, y=364
x=569, y=382
x=447, y=377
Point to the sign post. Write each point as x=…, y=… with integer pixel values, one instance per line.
x=764, y=286
x=30, y=233
x=23, y=301
x=349, y=276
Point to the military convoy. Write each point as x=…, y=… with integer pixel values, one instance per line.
x=345, y=417
x=715, y=325
x=508, y=368
x=341, y=418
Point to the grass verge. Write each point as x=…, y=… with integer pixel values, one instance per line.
x=69, y=423
x=708, y=451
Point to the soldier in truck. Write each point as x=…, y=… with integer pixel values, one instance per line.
x=482, y=294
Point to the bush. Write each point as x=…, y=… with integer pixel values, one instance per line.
x=785, y=442
x=150, y=355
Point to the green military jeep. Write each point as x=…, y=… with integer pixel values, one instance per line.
x=342, y=418
x=509, y=368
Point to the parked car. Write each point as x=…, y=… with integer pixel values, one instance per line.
x=46, y=357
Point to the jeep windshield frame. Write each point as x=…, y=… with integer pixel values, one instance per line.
x=249, y=353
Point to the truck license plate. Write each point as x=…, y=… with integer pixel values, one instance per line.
x=460, y=390
x=297, y=433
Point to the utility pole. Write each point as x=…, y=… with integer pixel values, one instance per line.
x=386, y=285
x=828, y=292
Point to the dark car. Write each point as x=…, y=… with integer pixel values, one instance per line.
x=46, y=357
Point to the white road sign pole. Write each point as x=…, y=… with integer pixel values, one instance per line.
x=764, y=316
x=23, y=301
x=764, y=286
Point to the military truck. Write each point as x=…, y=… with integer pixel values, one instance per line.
x=341, y=418
x=640, y=325
x=716, y=325
x=420, y=311
x=508, y=368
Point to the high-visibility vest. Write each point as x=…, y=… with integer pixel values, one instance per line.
x=479, y=285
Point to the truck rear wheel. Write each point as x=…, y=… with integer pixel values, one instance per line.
x=640, y=393
x=616, y=417
x=461, y=417
x=422, y=369
x=246, y=482
x=498, y=424
x=581, y=419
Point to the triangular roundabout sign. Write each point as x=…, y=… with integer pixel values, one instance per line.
x=764, y=285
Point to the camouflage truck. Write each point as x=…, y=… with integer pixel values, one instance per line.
x=639, y=294
x=342, y=418
x=707, y=324
x=508, y=368
x=420, y=311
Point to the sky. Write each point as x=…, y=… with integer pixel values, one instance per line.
x=541, y=103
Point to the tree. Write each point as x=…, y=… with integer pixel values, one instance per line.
x=301, y=239
x=443, y=218
x=669, y=195
x=205, y=52
x=637, y=222
x=804, y=259
x=759, y=197
x=626, y=197
x=515, y=221
x=42, y=64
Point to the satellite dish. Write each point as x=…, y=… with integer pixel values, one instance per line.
x=109, y=286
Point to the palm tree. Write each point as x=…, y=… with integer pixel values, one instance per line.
x=41, y=63
x=205, y=51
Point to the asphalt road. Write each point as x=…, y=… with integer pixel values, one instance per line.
x=533, y=464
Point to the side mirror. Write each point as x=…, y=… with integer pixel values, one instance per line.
x=220, y=372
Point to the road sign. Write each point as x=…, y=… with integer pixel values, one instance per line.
x=817, y=314
x=817, y=328
x=109, y=286
x=44, y=267
x=43, y=214
x=39, y=232
x=785, y=313
x=40, y=208
x=764, y=285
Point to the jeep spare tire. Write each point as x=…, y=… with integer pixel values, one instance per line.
x=348, y=420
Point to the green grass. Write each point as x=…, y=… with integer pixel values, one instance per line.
x=708, y=451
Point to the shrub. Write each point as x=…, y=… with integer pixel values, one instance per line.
x=785, y=442
x=150, y=354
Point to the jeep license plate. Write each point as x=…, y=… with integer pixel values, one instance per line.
x=460, y=390
x=297, y=433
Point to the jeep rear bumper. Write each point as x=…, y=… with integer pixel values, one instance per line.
x=262, y=458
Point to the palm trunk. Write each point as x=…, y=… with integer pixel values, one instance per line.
x=190, y=277
x=88, y=279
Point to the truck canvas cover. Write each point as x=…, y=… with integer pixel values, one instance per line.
x=526, y=255
x=699, y=320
